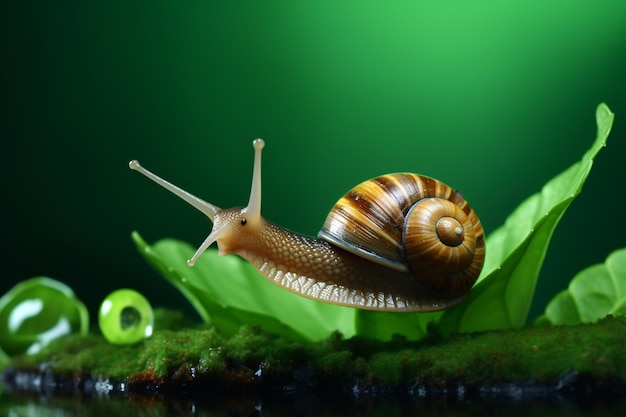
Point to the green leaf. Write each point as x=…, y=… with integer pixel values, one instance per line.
x=593, y=293
x=515, y=252
x=228, y=292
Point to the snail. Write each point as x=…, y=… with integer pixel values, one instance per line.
x=400, y=242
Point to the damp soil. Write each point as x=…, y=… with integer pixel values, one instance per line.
x=579, y=364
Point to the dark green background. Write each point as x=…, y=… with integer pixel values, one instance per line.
x=493, y=98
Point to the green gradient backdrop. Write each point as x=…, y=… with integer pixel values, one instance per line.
x=492, y=99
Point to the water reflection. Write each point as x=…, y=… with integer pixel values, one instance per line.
x=28, y=405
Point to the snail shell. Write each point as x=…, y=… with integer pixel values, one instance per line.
x=412, y=224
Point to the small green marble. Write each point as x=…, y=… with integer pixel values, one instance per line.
x=125, y=317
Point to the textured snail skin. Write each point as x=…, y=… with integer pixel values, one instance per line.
x=363, y=258
x=316, y=269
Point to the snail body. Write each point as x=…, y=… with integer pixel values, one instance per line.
x=400, y=242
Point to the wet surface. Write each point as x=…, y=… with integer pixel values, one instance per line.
x=21, y=404
x=44, y=393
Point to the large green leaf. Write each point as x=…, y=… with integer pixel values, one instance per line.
x=228, y=292
x=515, y=252
x=594, y=293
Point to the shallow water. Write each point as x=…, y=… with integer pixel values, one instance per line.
x=22, y=405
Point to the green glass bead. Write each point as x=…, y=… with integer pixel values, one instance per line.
x=125, y=317
x=36, y=311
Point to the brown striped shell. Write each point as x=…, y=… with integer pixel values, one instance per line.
x=413, y=224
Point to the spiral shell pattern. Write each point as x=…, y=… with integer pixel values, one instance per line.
x=413, y=224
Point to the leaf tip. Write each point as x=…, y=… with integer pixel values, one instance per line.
x=604, y=121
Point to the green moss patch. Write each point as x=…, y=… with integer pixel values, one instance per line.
x=199, y=358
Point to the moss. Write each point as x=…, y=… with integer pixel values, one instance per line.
x=254, y=358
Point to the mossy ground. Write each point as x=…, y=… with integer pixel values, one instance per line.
x=255, y=359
